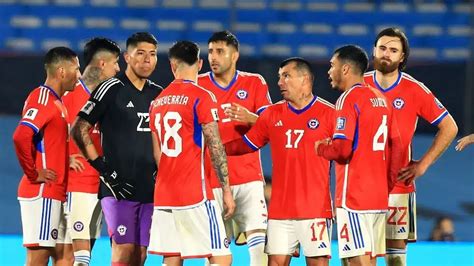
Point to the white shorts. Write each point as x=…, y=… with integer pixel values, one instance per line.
x=251, y=211
x=401, y=217
x=360, y=233
x=314, y=236
x=40, y=220
x=84, y=215
x=190, y=233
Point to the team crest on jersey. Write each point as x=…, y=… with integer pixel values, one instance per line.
x=122, y=229
x=31, y=114
x=226, y=242
x=78, y=226
x=313, y=123
x=439, y=104
x=341, y=123
x=398, y=103
x=242, y=94
x=54, y=234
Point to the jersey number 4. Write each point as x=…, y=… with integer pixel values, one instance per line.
x=380, y=137
x=171, y=133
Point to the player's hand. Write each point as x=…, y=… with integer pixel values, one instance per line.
x=229, y=203
x=45, y=176
x=119, y=187
x=237, y=112
x=325, y=141
x=411, y=172
x=76, y=164
x=464, y=142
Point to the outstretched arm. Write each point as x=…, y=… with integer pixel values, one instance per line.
x=464, y=142
x=80, y=134
x=219, y=161
x=446, y=134
x=239, y=113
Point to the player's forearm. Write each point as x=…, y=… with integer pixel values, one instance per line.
x=237, y=147
x=340, y=150
x=81, y=136
x=24, y=148
x=217, y=152
x=446, y=134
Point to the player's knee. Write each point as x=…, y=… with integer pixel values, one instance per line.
x=221, y=260
x=123, y=252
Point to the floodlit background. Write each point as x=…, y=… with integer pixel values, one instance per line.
x=441, y=36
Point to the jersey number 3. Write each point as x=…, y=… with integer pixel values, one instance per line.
x=171, y=133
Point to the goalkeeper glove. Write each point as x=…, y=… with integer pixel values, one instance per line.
x=120, y=189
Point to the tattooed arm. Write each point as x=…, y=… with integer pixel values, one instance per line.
x=219, y=161
x=80, y=134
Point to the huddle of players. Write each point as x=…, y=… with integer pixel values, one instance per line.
x=205, y=134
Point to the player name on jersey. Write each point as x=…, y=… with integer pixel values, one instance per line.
x=171, y=99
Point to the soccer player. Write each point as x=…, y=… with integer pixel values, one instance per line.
x=364, y=140
x=84, y=216
x=120, y=106
x=410, y=99
x=300, y=205
x=41, y=144
x=464, y=142
x=183, y=122
x=240, y=98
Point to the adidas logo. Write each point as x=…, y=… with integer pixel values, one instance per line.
x=346, y=248
x=322, y=245
x=279, y=124
x=130, y=104
x=402, y=230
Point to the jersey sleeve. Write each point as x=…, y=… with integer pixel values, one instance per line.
x=262, y=96
x=258, y=134
x=100, y=99
x=36, y=113
x=430, y=108
x=346, y=117
x=206, y=108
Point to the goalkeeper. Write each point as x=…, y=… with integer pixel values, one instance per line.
x=120, y=107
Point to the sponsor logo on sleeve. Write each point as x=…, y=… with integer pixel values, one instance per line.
x=341, y=123
x=88, y=107
x=215, y=114
x=439, y=104
x=31, y=114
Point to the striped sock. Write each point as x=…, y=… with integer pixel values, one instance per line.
x=396, y=257
x=256, y=246
x=82, y=258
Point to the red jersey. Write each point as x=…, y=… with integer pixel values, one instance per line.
x=88, y=180
x=410, y=99
x=176, y=116
x=46, y=115
x=251, y=91
x=364, y=118
x=300, y=179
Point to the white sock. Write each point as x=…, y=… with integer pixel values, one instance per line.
x=82, y=258
x=396, y=257
x=256, y=246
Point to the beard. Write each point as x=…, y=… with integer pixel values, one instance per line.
x=385, y=67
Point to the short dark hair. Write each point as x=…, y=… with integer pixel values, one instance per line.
x=185, y=51
x=138, y=37
x=301, y=65
x=95, y=45
x=396, y=32
x=225, y=36
x=58, y=54
x=355, y=55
